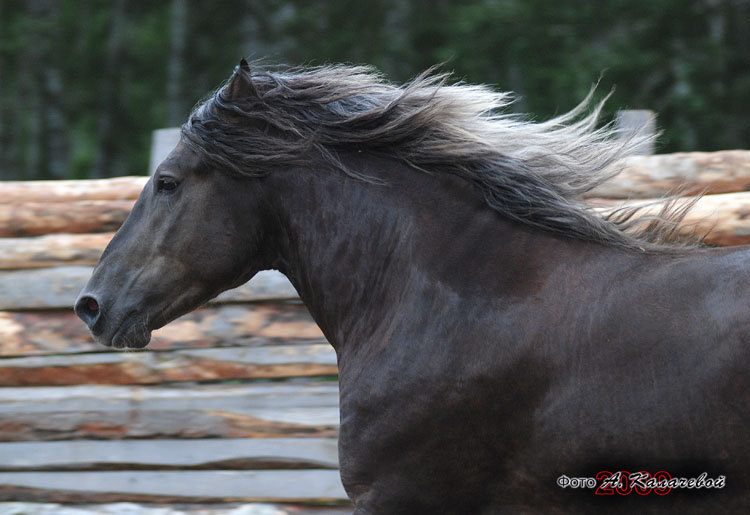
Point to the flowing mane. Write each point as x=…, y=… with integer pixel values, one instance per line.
x=532, y=172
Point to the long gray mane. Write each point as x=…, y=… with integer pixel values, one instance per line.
x=532, y=172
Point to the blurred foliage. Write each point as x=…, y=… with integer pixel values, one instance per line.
x=84, y=82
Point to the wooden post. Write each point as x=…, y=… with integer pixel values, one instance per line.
x=638, y=122
x=162, y=143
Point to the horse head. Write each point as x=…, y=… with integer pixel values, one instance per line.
x=179, y=247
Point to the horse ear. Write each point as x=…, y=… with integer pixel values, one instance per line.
x=241, y=83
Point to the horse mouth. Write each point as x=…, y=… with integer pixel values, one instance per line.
x=133, y=329
x=132, y=334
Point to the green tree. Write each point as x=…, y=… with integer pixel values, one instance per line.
x=83, y=83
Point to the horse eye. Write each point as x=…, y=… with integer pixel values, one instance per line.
x=166, y=184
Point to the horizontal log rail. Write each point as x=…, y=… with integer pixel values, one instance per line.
x=200, y=422
x=268, y=362
x=228, y=453
x=247, y=398
x=118, y=188
x=175, y=486
x=723, y=218
x=691, y=173
x=52, y=250
x=254, y=410
x=38, y=218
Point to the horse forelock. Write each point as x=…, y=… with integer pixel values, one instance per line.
x=532, y=172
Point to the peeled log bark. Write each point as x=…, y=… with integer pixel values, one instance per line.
x=52, y=250
x=724, y=218
x=119, y=188
x=689, y=172
x=35, y=218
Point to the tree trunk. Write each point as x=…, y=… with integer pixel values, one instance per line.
x=15, y=101
x=55, y=126
x=47, y=152
x=108, y=93
x=31, y=96
x=176, y=64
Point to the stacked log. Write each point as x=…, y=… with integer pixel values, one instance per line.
x=690, y=173
x=195, y=418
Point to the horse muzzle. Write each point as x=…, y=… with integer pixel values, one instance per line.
x=109, y=328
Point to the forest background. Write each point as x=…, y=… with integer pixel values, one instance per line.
x=83, y=83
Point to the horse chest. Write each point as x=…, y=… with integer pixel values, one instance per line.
x=436, y=440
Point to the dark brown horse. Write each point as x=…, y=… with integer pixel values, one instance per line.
x=497, y=342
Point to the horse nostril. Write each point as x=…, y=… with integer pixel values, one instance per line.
x=87, y=309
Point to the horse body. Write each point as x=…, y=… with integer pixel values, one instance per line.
x=479, y=358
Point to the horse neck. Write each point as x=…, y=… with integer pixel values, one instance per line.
x=358, y=253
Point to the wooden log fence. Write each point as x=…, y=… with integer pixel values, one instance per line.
x=235, y=402
x=191, y=420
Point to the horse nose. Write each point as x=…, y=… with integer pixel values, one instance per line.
x=87, y=309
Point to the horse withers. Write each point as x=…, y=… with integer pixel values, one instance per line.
x=501, y=347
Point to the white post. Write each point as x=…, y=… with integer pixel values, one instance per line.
x=162, y=143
